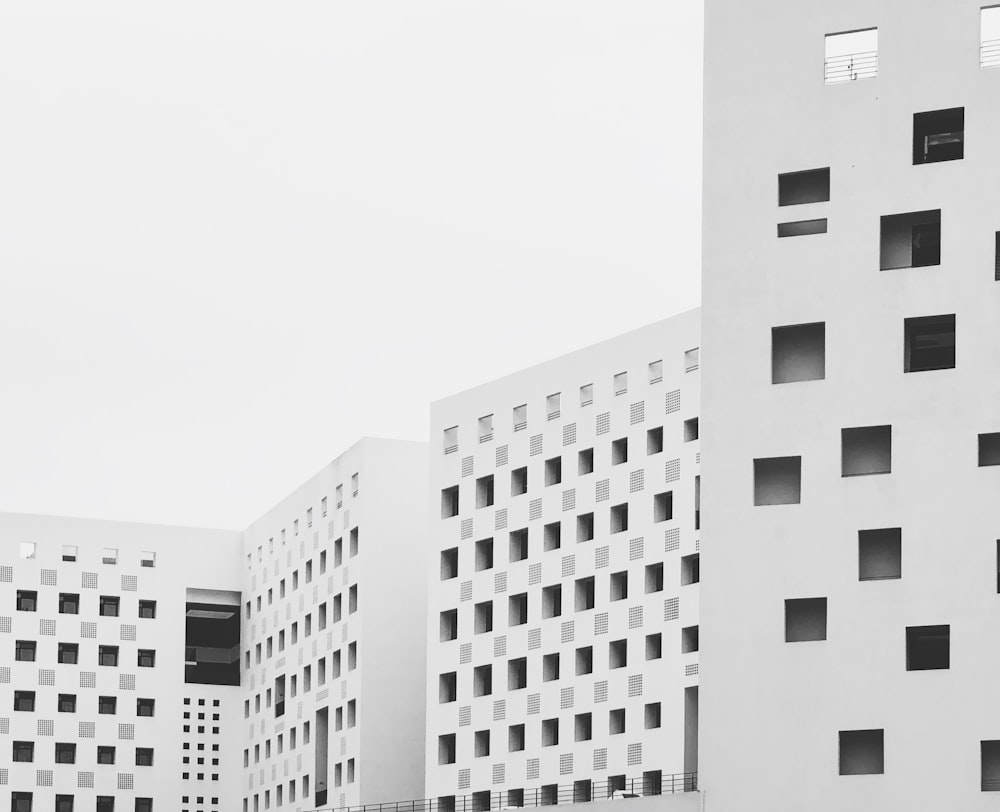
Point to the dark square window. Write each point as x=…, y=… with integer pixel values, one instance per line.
x=928, y=648
x=143, y=756
x=144, y=707
x=805, y=620
x=911, y=240
x=105, y=754
x=109, y=605
x=64, y=803
x=27, y=600
x=862, y=752
x=65, y=753
x=24, y=700
x=69, y=653
x=107, y=704
x=146, y=804
x=939, y=136
x=147, y=609
x=67, y=703
x=69, y=603
x=105, y=803
x=929, y=343
x=20, y=802
x=24, y=751
x=24, y=650
x=107, y=655
x=147, y=658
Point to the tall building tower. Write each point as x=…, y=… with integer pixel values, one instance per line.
x=851, y=405
x=334, y=619
x=563, y=633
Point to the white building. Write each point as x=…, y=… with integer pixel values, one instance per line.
x=563, y=631
x=334, y=615
x=172, y=668
x=851, y=323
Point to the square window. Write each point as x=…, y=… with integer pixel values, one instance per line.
x=107, y=655
x=850, y=56
x=449, y=502
x=939, y=136
x=109, y=555
x=585, y=461
x=27, y=600
x=69, y=603
x=663, y=506
x=147, y=658
x=69, y=653
x=862, y=752
x=69, y=552
x=928, y=648
x=147, y=609
x=929, y=343
x=911, y=240
x=24, y=751
x=552, y=536
x=24, y=651
x=777, y=481
x=109, y=606
x=654, y=441
x=619, y=518
x=553, y=471
x=519, y=481
x=808, y=186
x=105, y=754
x=866, y=451
x=517, y=674
x=147, y=558
x=798, y=353
x=67, y=703
x=24, y=701
x=65, y=753
x=989, y=449
x=805, y=620
x=144, y=707
x=484, y=555
x=518, y=545
x=484, y=491
x=690, y=569
x=880, y=554
x=107, y=704
x=449, y=564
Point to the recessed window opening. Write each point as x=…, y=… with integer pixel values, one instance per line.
x=692, y=359
x=584, y=594
x=518, y=545
x=551, y=601
x=802, y=228
x=655, y=371
x=619, y=585
x=798, y=353
x=989, y=449
x=585, y=660
x=939, y=136
x=553, y=471
x=550, y=667
x=486, y=428
x=911, y=240
x=619, y=518
x=929, y=343
x=777, y=481
x=989, y=37
x=654, y=441
x=550, y=732
x=616, y=726
x=862, y=752
x=689, y=639
x=449, y=625
x=585, y=527
x=583, y=728
x=482, y=680
x=866, y=451
x=515, y=738
x=449, y=563
x=448, y=687
x=587, y=394
x=483, y=617
x=585, y=462
x=484, y=554
x=880, y=554
x=654, y=578
x=446, y=749
x=517, y=674
x=484, y=491
x=621, y=383
x=653, y=715
x=654, y=646
x=518, y=609
x=449, y=502
x=618, y=654
x=450, y=441
x=619, y=451
x=521, y=417
x=928, y=648
x=552, y=536
x=850, y=56
x=519, y=481
x=552, y=403
x=808, y=186
x=805, y=620
x=990, y=762
x=691, y=430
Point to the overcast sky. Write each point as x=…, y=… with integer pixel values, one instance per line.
x=237, y=237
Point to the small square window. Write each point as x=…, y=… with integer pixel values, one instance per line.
x=107, y=704
x=582, y=727
x=69, y=552
x=928, y=648
x=798, y=353
x=911, y=240
x=27, y=600
x=653, y=715
x=109, y=606
x=862, y=752
x=805, y=620
x=929, y=343
x=866, y=451
x=880, y=554
x=621, y=383
x=654, y=646
x=147, y=609
x=147, y=558
x=449, y=625
x=939, y=136
x=24, y=701
x=777, y=481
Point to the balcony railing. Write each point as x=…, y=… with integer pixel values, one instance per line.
x=989, y=54
x=551, y=795
x=850, y=67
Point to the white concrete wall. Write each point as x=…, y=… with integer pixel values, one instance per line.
x=771, y=711
x=185, y=558
x=387, y=685
x=577, y=427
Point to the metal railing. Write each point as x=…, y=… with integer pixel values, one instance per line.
x=989, y=54
x=548, y=795
x=850, y=67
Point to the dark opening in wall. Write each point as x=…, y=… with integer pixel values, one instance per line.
x=517, y=674
x=446, y=749
x=616, y=725
x=862, y=752
x=618, y=654
x=550, y=732
x=584, y=594
x=996, y=258
x=518, y=609
x=990, y=760
x=654, y=646
x=484, y=491
x=449, y=563
x=619, y=586
x=809, y=186
x=519, y=481
x=689, y=639
x=552, y=601
x=212, y=637
x=483, y=617
x=484, y=554
x=515, y=798
x=619, y=451
x=663, y=506
x=553, y=471
x=690, y=569
x=928, y=648
x=654, y=578
x=449, y=502
x=911, y=240
x=805, y=619
x=585, y=660
x=585, y=461
x=989, y=449
x=866, y=450
x=448, y=687
x=798, y=353
x=691, y=430
x=583, y=790
x=880, y=554
x=449, y=625
x=929, y=343
x=583, y=728
x=518, y=545
x=552, y=536
x=515, y=738
x=777, y=481
x=939, y=136
x=482, y=680
x=585, y=527
x=619, y=518
x=802, y=228
x=482, y=745
x=481, y=801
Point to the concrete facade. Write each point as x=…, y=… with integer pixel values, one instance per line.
x=887, y=690
x=562, y=643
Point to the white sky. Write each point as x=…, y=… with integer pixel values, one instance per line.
x=236, y=237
